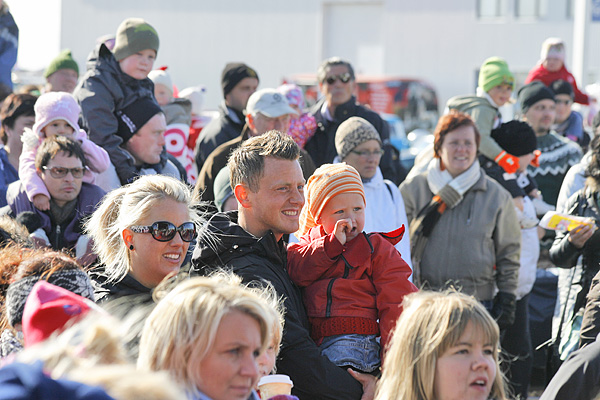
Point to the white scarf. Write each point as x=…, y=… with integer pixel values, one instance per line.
x=451, y=190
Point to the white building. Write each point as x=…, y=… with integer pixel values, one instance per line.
x=441, y=41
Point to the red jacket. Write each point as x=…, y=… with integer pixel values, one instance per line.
x=539, y=73
x=366, y=278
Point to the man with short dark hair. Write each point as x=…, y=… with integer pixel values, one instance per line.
x=142, y=127
x=238, y=81
x=337, y=83
x=60, y=163
x=266, y=110
x=268, y=184
x=558, y=154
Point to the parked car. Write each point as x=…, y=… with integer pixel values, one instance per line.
x=409, y=145
x=413, y=100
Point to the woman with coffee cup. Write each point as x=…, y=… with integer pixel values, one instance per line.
x=208, y=334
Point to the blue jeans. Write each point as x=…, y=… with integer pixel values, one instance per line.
x=360, y=352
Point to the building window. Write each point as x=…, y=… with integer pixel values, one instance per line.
x=530, y=8
x=491, y=8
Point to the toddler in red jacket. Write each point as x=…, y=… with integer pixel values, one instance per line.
x=353, y=282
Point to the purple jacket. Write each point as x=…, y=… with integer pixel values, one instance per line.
x=88, y=199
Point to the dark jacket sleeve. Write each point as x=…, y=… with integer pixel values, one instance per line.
x=314, y=376
x=563, y=253
x=98, y=118
x=578, y=378
x=590, y=324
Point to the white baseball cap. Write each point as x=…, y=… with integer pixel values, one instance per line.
x=270, y=103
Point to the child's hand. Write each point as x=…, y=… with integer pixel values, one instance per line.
x=342, y=227
x=41, y=202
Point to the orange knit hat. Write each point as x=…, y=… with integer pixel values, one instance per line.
x=328, y=181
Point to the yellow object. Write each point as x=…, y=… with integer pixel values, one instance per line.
x=563, y=222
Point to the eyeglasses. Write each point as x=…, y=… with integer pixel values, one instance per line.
x=164, y=231
x=365, y=153
x=61, y=172
x=344, y=78
x=565, y=102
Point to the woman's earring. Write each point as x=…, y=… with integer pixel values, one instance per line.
x=130, y=247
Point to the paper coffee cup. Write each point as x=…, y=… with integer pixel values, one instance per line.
x=272, y=385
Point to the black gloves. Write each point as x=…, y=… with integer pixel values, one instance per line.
x=505, y=306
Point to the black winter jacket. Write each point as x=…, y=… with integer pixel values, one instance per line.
x=321, y=146
x=259, y=259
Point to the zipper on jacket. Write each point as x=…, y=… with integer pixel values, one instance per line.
x=329, y=299
x=57, y=236
x=471, y=207
x=347, y=268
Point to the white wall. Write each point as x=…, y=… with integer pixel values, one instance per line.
x=438, y=40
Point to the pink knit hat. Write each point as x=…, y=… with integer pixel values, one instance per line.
x=326, y=182
x=48, y=309
x=54, y=106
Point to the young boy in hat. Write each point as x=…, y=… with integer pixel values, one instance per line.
x=114, y=81
x=495, y=86
x=370, y=276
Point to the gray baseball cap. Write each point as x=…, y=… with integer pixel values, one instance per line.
x=270, y=103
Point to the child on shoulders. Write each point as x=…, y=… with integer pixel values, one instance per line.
x=353, y=282
x=56, y=113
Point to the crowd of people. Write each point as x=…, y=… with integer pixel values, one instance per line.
x=145, y=256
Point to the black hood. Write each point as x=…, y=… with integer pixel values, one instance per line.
x=226, y=240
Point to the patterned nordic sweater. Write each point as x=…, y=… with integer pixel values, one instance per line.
x=558, y=155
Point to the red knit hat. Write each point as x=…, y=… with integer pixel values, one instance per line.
x=326, y=182
x=49, y=308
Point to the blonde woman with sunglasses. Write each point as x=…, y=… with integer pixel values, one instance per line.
x=142, y=232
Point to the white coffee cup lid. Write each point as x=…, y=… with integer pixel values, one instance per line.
x=275, y=379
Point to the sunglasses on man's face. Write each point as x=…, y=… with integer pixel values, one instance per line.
x=344, y=78
x=61, y=172
x=164, y=231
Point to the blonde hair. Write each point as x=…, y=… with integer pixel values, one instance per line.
x=266, y=291
x=126, y=382
x=94, y=340
x=125, y=207
x=182, y=328
x=431, y=323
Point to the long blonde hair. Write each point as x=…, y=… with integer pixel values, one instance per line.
x=182, y=328
x=431, y=323
x=125, y=207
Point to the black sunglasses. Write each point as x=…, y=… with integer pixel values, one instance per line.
x=344, y=78
x=164, y=231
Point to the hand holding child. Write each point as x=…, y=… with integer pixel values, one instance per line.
x=41, y=202
x=342, y=227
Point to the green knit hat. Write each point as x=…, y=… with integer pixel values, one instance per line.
x=64, y=60
x=133, y=35
x=494, y=71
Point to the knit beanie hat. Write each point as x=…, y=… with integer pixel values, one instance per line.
x=494, y=71
x=74, y=280
x=64, y=60
x=351, y=133
x=553, y=48
x=562, y=87
x=134, y=35
x=326, y=182
x=53, y=106
x=134, y=116
x=48, y=308
x=161, y=77
x=532, y=93
x=233, y=73
x=515, y=137
x=222, y=187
